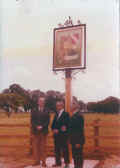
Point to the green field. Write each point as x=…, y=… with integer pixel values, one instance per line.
x=10, y=144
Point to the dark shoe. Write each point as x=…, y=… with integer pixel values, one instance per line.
x=44, y=165
x=66, y=166
x=56, y=165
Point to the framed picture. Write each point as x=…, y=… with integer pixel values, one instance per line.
x=69, y=49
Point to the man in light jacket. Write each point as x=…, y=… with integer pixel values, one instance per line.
x=39, y=122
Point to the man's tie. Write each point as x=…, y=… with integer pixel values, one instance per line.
x=57, y=116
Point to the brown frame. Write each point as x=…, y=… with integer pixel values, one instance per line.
x=69, y=50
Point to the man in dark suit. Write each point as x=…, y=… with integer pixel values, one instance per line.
x=77, y=138
x=60, y=128
x=39, y=122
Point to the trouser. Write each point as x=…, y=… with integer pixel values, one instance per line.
x=77, y=154
x=39, y=147
x=61, y=147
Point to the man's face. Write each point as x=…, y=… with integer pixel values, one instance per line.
x=59, y=105
x=74, y=106
x=41, y=102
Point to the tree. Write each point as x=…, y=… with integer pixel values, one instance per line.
x=11, y=101
x=16, y=88
x=108, y=105
x=51, y=103
x=6, y=91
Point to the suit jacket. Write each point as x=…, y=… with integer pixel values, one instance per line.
x=77, y=129
x=63, y=120
x=40, y=118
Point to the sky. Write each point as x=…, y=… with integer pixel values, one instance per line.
x=27, y=46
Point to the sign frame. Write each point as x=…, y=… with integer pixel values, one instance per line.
x=70, y=40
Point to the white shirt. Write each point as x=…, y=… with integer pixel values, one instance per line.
x=40, y=109
x=60, y=113
x=75, y=111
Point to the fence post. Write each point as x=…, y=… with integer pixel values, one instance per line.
x=30, y=152
x=96, y=135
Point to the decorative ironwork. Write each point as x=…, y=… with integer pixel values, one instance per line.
x=68, y=23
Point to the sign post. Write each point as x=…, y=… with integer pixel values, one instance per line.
x=68, y=98
x=68, y=91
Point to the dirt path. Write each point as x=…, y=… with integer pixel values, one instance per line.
x=112, y=161
x=10, y=162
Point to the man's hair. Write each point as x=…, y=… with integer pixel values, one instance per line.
x=60, y=100
x=75, y=101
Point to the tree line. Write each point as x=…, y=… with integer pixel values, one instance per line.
x=16, y=96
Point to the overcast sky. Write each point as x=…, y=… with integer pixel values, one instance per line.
x=27, y=46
